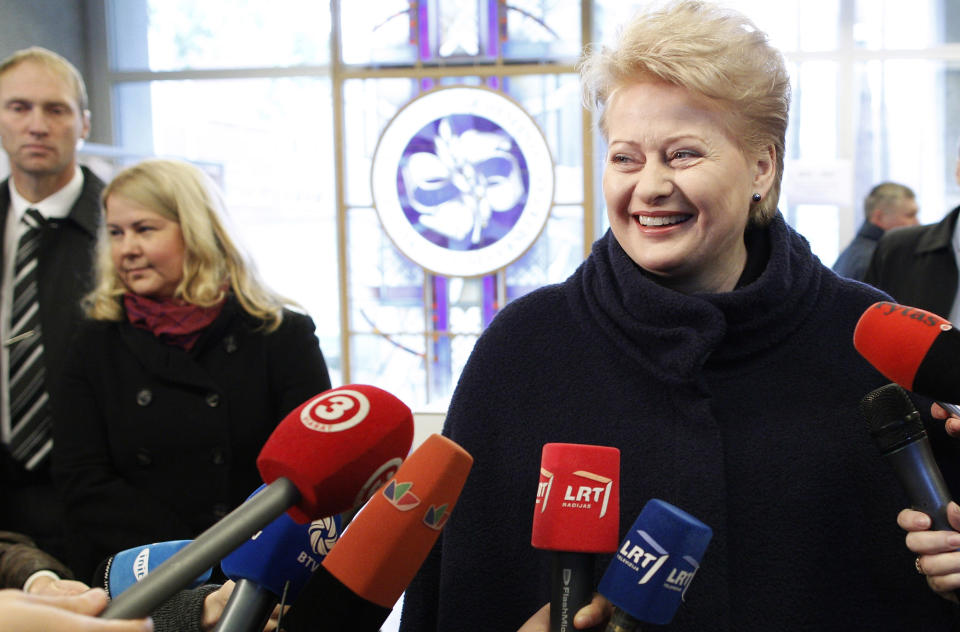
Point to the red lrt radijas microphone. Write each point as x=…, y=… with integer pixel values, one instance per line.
x=577, y=514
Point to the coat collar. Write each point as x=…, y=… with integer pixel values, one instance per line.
x=939, y=235
x=85, y=212
x=89, y=198
x=675, y=334
x=171, y=363
x=869, y=230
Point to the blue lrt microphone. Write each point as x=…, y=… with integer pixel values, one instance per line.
x=650, y=574
x=273, y=564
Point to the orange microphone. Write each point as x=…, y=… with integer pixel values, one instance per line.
x=385, y=544
x=915, y=348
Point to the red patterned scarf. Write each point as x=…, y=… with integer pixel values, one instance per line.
x=171, y=320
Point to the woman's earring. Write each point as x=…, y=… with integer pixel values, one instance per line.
x=756, y=197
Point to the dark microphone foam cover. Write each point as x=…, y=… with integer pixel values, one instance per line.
x=338, y=448
x=659, y=556
x=578, y=499
x=283, y=555
x=913, y=347
x=891, y=417
x=385, y=544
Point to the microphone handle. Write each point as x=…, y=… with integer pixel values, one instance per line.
x=248, y=608
x=622, y=621
x=921, y=478
x=953, y=409
x=327, y=605
x=571, y=588
x=206, y=550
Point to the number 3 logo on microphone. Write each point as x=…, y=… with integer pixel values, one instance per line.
x=335, y=411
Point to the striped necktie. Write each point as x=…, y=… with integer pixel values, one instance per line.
x=31, y=432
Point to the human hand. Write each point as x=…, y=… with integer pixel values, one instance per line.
x=46, y=585
x=24, y=612
x=951, y=425
x=593, y=614
x=215, y=602
x=937, y=551
x=213, y=605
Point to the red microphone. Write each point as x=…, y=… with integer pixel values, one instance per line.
x=915, y=348
x=327, y=456
x=362, y=434
x=577, y=514
x=385, y=544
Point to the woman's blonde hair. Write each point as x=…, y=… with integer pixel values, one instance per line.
x=212, y=262
x=708, y=50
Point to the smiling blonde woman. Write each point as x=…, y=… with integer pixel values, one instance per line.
x=703, y=339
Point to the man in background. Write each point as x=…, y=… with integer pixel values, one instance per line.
x=888, y=205
x=49, y=214
x=917, y=265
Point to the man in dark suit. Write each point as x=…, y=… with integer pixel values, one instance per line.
x=917, y=266
x=43, y=118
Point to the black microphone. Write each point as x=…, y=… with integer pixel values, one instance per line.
x=897, y=429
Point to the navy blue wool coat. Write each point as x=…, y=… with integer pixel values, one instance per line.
x=740, y=408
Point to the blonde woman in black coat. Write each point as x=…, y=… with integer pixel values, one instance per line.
x=185, y=366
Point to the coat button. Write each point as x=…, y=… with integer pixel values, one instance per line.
x=144, y=397
x=143, y=457
x=213, y=400
x=230, y=344
x=217, y=457
x=220, y=510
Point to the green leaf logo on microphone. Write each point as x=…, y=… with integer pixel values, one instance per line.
x=400, y=496
x=436, y=517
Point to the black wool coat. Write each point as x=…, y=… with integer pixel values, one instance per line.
x=154, y=443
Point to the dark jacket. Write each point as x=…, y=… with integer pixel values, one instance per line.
x=20, y=558
x=916, y=265
x=154, y=443
x=740, y=408
x=65, y=274
x=64, y=269
x=855, y=258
